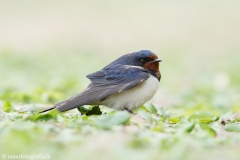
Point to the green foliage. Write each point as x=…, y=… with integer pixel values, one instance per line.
x=51, y=115
x=173, y=120
x=109, y=121
x=94, y=111
x=234, y=127
x=194, y=121
x=7, y=107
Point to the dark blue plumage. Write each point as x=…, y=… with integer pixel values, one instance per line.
x=123, y=74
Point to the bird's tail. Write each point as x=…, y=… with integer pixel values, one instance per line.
x=49, y=109
x=53, y=107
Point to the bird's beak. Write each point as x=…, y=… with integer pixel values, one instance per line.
x=156, y=61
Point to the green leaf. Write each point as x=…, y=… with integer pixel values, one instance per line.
x=150, y=108
x=163, y=119
x=190, y=127
x=235, y=120
x=45, y=116
x=233, y=127
x=108, y=121
x=159, y=109
x=7, y=107
x=173, y=120
x=208, y=120
x=197, y=115
x=159, y=127
x=94, y=111
x=83, y=110
x=14, y=116
x=145, y=115
x=59, y=118
x=208, y=129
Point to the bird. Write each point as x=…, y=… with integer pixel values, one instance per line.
x=125, y=84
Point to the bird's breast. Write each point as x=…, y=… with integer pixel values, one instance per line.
x=134, y=97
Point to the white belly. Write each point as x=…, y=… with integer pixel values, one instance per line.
x=134, y=97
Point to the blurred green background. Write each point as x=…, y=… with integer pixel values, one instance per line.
x=48, y=47
x=44, y=43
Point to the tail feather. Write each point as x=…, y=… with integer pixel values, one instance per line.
x=53, y=107
x=89, y=96
x=49, y=109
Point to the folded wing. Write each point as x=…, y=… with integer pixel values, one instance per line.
x=105, y=83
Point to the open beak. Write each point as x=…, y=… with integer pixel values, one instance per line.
x=156, y=61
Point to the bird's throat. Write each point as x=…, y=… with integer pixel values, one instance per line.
x=152, y=66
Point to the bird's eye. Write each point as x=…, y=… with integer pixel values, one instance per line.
x=142, y=59
x=145, y=60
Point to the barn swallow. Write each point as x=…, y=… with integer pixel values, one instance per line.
x=125, y=84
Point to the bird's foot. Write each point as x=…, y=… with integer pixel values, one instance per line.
x=129, y=111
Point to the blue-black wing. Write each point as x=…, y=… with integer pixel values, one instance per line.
x=104, y=83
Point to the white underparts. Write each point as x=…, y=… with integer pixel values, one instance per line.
x=134, y=97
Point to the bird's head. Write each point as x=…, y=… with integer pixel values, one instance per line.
x=142, y=58
x=147, y=59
